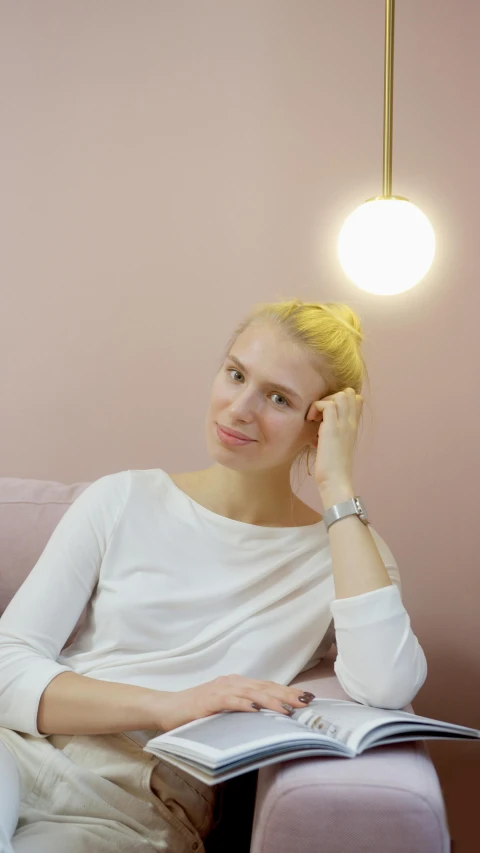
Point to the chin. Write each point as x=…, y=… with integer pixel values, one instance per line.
x=222, y=455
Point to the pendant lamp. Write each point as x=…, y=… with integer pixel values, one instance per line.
x=387, y=245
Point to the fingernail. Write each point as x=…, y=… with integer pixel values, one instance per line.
x=287, y=708
x=305, y=699
x=257, y=707
x=311, y=695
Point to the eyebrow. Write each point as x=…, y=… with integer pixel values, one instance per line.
x=289, y=391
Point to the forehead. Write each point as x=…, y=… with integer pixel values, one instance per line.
x=266, y=351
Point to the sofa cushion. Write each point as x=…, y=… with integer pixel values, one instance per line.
x=29, y=512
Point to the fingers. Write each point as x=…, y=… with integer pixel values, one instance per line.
x=242, y=694
x=238, y=703
x=274, y=703
x=290, y=695
x=268, y=703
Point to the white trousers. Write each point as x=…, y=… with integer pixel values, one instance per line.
x=9, y=798
x=97, y=794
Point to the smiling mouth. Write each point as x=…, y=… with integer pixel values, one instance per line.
x=232, y=440
x=234, y=433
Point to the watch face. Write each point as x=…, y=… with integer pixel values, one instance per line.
x=362, y=510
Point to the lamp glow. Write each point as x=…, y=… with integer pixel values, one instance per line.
x=386, y=246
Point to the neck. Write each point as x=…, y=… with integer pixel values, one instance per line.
x=258, y=497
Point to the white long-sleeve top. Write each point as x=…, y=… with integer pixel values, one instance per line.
x=178, y=595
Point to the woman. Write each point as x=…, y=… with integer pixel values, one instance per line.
x=205, y=591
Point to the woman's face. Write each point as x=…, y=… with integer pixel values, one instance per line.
x=249, y=395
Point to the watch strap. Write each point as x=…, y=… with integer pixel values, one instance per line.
x=352, y=506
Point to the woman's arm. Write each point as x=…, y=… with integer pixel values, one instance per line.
x=46, y=608
x=75, y=704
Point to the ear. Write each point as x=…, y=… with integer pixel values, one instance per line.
x=315, y=418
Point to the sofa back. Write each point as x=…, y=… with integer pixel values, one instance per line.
x=29, y=512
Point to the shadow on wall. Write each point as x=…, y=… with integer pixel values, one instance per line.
x=457, y=763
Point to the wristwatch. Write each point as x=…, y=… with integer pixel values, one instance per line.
x=354, y=506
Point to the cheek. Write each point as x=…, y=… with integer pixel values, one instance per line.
x=300, y=431
x=219, y=394
x=283, y=429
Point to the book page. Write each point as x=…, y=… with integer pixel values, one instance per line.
x=234, y=731
x=340, y=725
x=362, y=725
x=339, y=718
x=214, y=777
x=222, y=736
x=349, y=721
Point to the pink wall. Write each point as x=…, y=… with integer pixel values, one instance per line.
x=164, y=165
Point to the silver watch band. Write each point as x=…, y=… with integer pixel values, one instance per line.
x=352, y=506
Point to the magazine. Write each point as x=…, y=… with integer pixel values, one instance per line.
x=222, y=746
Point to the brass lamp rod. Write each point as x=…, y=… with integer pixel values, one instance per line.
x=388, y=99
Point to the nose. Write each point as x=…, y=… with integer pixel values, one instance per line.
x=244, y=406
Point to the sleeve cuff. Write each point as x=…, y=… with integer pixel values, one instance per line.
x=27, y=695
x=374, y=606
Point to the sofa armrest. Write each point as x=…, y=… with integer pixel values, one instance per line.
x=387, y=800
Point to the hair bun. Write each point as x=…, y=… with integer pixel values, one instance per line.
x=347, y=316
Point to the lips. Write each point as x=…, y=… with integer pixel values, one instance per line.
x=235, y=433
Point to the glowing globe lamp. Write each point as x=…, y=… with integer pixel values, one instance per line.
x=386, y=245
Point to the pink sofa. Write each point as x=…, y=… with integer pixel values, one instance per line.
x=388, y=800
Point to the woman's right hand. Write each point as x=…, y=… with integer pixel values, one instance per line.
x=228, y=693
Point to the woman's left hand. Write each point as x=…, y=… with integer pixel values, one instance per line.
x=339, y=415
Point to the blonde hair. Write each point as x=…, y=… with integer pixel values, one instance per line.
x=331, y=332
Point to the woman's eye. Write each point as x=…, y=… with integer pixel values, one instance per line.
x=285, y=403
x=233, y=370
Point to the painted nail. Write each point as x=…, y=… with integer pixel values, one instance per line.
x=311, y=695
x=305, y=699
x=288, y=708
x=256, y=706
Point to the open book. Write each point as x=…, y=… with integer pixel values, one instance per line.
x=216, y=748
